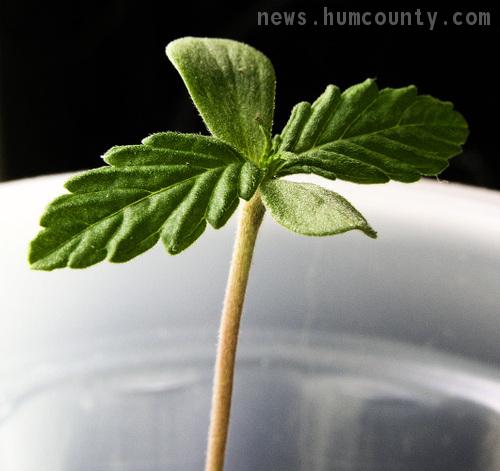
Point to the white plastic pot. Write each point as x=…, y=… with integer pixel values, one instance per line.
x=355, y=355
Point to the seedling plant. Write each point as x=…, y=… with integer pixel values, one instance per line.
x=172, y=185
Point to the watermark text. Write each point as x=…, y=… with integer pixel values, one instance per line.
x=414, y=18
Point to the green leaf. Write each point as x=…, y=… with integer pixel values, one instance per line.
x=167, y=188
x=311, y=209
x=233, y=86
x=367, y=135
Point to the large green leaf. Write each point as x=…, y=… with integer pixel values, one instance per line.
x=367, y=135
x=167, y=188
x=311, y=209
x=232, y=85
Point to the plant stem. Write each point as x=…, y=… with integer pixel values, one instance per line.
x=248, y=226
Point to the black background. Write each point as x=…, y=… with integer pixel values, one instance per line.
x=79, y=77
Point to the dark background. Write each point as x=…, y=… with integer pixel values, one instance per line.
x=79, y=77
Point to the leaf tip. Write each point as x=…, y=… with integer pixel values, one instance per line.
x=110, y=153
x=370, y=232
x=370, y=82
x=32, y=259
x=36, y=263
x=176, y=47
x=149, y=140
x=36, y=267
x=172, y=45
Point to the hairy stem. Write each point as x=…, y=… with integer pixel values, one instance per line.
x=248, y=227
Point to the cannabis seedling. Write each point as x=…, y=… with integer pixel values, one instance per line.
x=172, y=184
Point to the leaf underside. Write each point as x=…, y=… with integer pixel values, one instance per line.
x=168, y=189
x=311, y=209
x=367, y=135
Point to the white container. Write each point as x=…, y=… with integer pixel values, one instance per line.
x=355, y=355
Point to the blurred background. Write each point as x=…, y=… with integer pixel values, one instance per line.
x=79, y=77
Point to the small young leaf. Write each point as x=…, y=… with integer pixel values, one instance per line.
x=369, y=136
x=311, y=209
x=232, y=85
x=167, y=188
